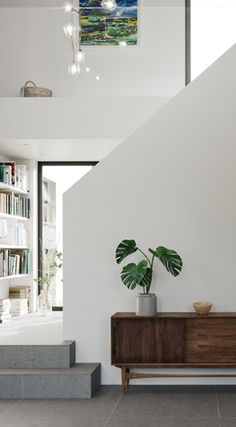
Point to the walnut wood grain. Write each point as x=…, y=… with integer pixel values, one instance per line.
x=173, y=340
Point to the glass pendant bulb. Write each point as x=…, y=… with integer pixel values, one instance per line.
x=80, y=56
x=109, y=4
x=68, y=6
x=69, y=30
x=74, y=68
x=123, y=43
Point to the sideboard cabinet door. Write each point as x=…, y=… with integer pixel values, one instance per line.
x=147, y=340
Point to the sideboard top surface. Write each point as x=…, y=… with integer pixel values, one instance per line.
x=180, y=315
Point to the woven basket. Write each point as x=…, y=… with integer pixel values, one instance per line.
x=203, y=307
x=30, y=90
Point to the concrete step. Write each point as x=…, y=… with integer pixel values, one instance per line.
x=60, y=355
x=78, y=382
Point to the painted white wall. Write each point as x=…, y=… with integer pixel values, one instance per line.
x=33, y=47
x=171, y=183
x=100, y=118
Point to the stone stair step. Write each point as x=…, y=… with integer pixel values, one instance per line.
x=60, y=355
x=80, y=381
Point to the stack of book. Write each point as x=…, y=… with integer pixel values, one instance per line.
x=19, y=292
x=19, y=298
x=5, y=307
x=19, y=306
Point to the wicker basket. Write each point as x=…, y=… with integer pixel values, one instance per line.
x=30, y=90
x=203, y=307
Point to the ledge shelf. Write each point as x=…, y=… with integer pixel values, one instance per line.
x=13, y=276
x=15, y=217
x=11, y=189
x=6, y=246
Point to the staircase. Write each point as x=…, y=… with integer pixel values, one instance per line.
x=46, y=372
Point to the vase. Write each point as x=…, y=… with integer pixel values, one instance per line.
x=44, y=302
x=146, y=305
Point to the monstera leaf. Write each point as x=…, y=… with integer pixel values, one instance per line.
x=169, y=258
x=125, y=248
x=133, y=274
x=147, y=279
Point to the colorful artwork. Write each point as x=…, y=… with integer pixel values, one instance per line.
x=102, y=27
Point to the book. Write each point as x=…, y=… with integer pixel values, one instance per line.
x=7, y=173
x=14, y=262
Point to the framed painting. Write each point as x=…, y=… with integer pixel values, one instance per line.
x=100, y=27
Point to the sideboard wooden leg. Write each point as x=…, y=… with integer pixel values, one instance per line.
x=127, y=379
x=123, y=379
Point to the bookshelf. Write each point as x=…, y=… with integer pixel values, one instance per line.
x=14, y=217
x=14, y=276
x=12, y=189
x=19, y=219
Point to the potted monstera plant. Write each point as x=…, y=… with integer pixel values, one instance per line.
x=141, y=273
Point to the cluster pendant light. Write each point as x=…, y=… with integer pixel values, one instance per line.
x=72, y=31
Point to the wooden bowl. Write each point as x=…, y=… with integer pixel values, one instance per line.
x=202, y=307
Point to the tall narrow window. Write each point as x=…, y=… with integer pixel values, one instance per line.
x=55, y=179
x=213, y=32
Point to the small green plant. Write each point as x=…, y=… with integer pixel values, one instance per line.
x=141, y=274
x=52, y=263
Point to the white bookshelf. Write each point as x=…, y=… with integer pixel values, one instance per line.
x=13, y=217
x=31, y=227
x=14, y=276
x=6, y=246
x=12, y=189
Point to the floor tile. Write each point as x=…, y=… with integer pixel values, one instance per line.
x=228, y=422
x=227, y=402
x=164, y=422
x=56, y=422
x=5, y=406
x=167, y=404
x=99, y=407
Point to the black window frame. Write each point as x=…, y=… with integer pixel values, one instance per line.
x=40, y=201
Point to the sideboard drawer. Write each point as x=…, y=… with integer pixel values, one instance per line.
x=211, y=340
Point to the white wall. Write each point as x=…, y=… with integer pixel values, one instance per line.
x=33, y=47
x=171, y=183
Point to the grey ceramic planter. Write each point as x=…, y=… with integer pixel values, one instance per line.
x=146, y=304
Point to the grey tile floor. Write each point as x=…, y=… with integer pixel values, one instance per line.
x=142, y=406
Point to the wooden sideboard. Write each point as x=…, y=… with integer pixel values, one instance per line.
x=172, y=340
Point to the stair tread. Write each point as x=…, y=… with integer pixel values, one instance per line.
x=59, y=344
x=77, y=369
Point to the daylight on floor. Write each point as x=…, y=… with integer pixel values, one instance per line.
x=117, y=213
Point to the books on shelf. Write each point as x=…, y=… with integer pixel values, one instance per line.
x=19, y=306
x=19, y=292
x=7, y=173
x=5, y=310
x=14, y=204
x=22, y=177
x=14, y=175
x=13, y=262
x=12, y=233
